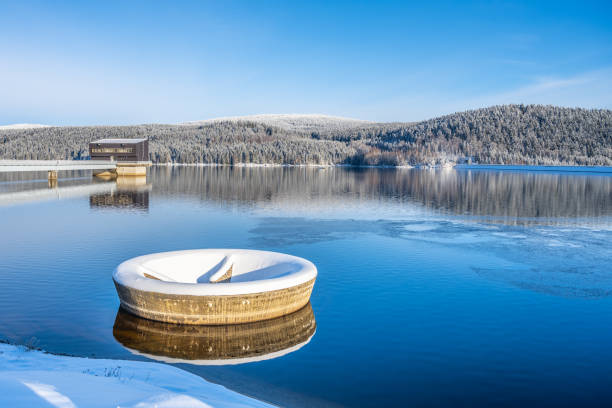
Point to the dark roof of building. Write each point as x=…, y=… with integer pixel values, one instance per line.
x=124, y=141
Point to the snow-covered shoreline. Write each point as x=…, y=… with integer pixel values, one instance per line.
x=32, y=378
x=446, y=166
x=257, y=165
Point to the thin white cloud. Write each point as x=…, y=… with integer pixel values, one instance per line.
x=591, y=89
x=588, y=90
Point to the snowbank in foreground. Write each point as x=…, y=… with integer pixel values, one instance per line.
x=37, y=379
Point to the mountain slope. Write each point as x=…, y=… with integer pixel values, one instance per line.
x=508, y=134
x=22, y=126
x=292, y=122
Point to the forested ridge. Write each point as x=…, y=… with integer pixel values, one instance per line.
x=507, y=134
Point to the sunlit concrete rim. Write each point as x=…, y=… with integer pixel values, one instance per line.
x=185, y=287
x=131, y=274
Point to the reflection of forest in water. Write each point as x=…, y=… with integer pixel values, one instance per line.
x=478, y=193
x=497, y=194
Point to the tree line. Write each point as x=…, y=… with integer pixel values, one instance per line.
x=505, y=134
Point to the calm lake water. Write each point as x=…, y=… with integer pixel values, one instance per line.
x=435, y=288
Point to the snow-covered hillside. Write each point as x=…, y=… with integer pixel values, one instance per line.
x=293, y=122
x=35, y=379
x=23, y=126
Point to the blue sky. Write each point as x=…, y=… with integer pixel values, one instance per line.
x=77, y=63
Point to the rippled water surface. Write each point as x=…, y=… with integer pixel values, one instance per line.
x=435, y=288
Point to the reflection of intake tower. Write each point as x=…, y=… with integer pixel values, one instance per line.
x=130, y=193
x=215, y=345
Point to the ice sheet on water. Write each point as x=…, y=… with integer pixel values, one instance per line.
x=565, y=261
x=281, y=231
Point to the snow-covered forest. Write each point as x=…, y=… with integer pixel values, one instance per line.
x=508, y=134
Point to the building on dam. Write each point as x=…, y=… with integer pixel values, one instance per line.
x=120, y=150
x=131, y=155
